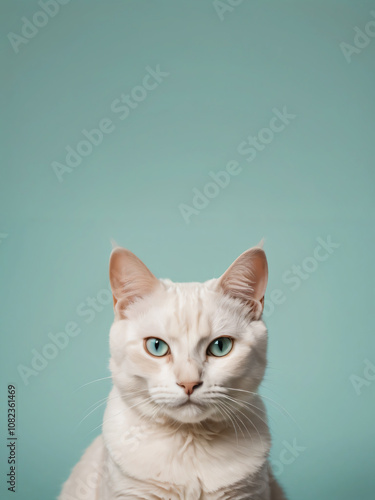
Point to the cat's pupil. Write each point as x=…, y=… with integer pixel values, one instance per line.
x=157, y=345
x=220, y=344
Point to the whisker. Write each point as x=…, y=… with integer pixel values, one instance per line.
x=102, y=402
x=227, y=416
x=219, y=394
x=156, y=412
x=122, y=411
x=135, y=393
x=234, y=400
x=278, y=405
x=247, y=403
x=92, y=382
x=265, y=387
x=234, y=414
x=231, y=409
x=244, y=403
x=96, y=407
x=218, y=408
x=225, y=410
x=252, y=423
x=104, y=399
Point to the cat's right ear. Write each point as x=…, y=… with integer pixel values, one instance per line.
x=130, y=279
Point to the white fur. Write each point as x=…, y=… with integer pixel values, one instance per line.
x=153, y=448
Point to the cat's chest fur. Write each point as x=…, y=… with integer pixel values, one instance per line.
x=184, y=463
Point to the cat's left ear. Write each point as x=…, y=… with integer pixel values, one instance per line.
x=130, y=279
x=246, y=279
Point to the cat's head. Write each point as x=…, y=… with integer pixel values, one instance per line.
x=179, y=349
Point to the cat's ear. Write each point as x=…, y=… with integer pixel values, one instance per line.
x=130, y=279
x=246, y=279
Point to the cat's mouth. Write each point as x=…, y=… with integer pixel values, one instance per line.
x=187, y=411
x=188, y=402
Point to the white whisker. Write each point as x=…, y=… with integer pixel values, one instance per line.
x=225, y=410
x=241, y=402
x=92, y=382
x=252, y=423
x=234, y=414
x=278, y=405
x=96, y=407
x=123, y=411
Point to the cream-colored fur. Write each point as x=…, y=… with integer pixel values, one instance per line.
x=158, y=442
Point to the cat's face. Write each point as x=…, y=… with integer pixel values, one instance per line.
x=183, y=350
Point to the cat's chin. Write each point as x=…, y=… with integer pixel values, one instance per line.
x=189, y=413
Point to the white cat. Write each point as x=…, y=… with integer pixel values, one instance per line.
x=184, y=419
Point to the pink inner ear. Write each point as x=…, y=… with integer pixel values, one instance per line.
x=247, y=277
x=129, y=277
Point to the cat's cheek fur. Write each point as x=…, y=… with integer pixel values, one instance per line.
x=244, y=366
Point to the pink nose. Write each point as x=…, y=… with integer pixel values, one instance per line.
x=189, y=386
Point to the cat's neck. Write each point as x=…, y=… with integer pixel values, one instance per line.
x=141, y=446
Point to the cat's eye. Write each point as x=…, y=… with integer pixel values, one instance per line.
x=156, y=347
x=220, y=347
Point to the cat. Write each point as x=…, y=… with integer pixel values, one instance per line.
x=184, y=420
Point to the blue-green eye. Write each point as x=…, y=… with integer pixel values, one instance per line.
x=157, y=347
x=220, y=347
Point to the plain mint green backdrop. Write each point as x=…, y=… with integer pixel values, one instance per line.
x=229, y=66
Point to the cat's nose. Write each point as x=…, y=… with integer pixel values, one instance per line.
x=189, y=386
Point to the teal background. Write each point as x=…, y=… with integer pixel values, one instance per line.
x=316, y=178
